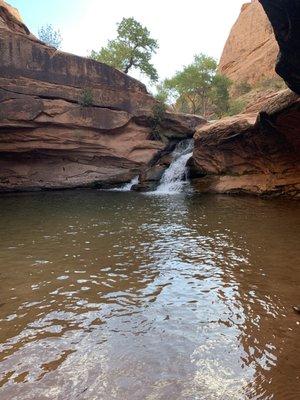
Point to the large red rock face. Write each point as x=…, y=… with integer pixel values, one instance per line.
x=47, y=139
x=256, y=153
x=30, y=67
x=250, y=52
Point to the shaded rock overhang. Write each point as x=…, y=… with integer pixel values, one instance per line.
x=284, y=16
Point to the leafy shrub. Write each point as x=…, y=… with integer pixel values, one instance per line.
x=158, y=111
x=271, y=83
x=86, y=99
x=236, y=107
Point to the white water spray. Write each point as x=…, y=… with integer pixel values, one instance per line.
x=175, y=177
x=127, y=187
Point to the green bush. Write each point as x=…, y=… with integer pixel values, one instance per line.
x=271, y=83
x=236, y=107
x=86, y=99
x=158, y=111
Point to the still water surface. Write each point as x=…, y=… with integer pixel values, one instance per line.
x=107, y=295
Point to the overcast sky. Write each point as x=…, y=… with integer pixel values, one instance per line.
x=183, y=28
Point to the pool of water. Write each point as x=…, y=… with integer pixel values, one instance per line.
x=107, y=295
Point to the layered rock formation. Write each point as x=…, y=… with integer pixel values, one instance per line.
x=250, y=52
x=256, y=153
x=285, y=18
x=67, y=121
x=51, y=136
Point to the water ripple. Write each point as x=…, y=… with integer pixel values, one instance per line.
x=125, y=296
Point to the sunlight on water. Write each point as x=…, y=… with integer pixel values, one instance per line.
x=107, y=295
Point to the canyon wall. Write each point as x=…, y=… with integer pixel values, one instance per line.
x=255, y=152
x=251, y=50
x=51, y=137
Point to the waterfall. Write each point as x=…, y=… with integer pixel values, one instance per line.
x=127, y=187
x=175, y=177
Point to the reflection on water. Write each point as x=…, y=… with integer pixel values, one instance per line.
x=124, y=296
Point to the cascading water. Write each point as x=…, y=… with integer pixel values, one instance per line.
x=175, y=177
x=127, y=187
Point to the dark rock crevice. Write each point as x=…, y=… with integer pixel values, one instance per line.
x=284, y=16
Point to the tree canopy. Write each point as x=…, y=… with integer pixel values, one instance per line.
x=198, y=88
x=133, y=48
x=50, y=36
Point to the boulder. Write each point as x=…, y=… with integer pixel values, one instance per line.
x=256, y=153
x=149, y=178
x=174, y=126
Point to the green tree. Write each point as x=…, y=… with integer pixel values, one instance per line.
x=219, y=95
x=162, y=93
x=50, y=36
x=198, y=88
x=133, y=48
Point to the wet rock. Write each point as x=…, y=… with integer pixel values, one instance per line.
x=184, y=125
x=149, y=178
x=153, y=174
x=166, y=160
x=144, y=186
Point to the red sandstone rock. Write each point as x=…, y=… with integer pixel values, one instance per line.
x=257, y=153
x=47, y=139
x=251, y=49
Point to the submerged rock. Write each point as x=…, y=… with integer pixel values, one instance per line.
x=256, y=153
